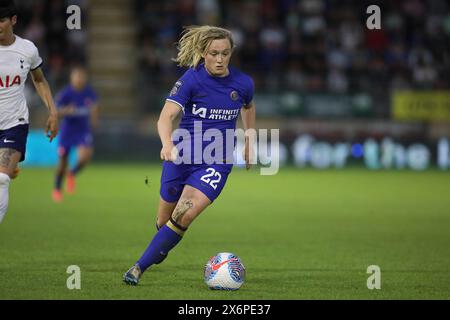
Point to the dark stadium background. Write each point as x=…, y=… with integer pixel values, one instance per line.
x=317, y=68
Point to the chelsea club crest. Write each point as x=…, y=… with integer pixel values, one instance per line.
x=234, y=95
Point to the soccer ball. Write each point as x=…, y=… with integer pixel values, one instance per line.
x=224, y=271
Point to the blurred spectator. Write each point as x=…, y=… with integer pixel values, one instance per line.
x=296, y=45
x=313, y=45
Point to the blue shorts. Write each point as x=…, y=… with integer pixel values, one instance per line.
x=15, y=138
x=209, y=179
x=67, y=142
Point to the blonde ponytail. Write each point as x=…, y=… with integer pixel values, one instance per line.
x=195, y=41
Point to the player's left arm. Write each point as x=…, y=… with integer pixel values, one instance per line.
x=43, y=89
x=248, y=114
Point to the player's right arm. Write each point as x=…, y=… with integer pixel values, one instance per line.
x=168, y=114
x=43, y=89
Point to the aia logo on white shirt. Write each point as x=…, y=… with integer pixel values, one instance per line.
x=9, y=81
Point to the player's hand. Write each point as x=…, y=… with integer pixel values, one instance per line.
x=169, y=152
x=51, y=129
x=248, y=155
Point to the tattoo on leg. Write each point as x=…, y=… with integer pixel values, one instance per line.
x=182, y=207
x=5, y=157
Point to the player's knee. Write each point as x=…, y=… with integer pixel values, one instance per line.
x=83, y=157
x=180, y=214
x=15, y=173
x=187, y=220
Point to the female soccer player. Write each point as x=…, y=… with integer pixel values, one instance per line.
x=18, y=57
x=210, y=94
x=77, y=106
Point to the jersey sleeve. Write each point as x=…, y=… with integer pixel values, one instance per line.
x=249, y=92
x=36, y=60
x=181, y=92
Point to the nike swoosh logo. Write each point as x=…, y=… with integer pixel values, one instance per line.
x=8, y=141
x=217, y=266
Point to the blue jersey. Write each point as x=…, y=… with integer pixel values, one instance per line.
x=215, y=101
x=83, y=101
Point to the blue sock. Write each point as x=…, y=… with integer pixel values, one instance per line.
x=164, y=240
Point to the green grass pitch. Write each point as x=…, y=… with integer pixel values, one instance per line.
x=302, y=234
